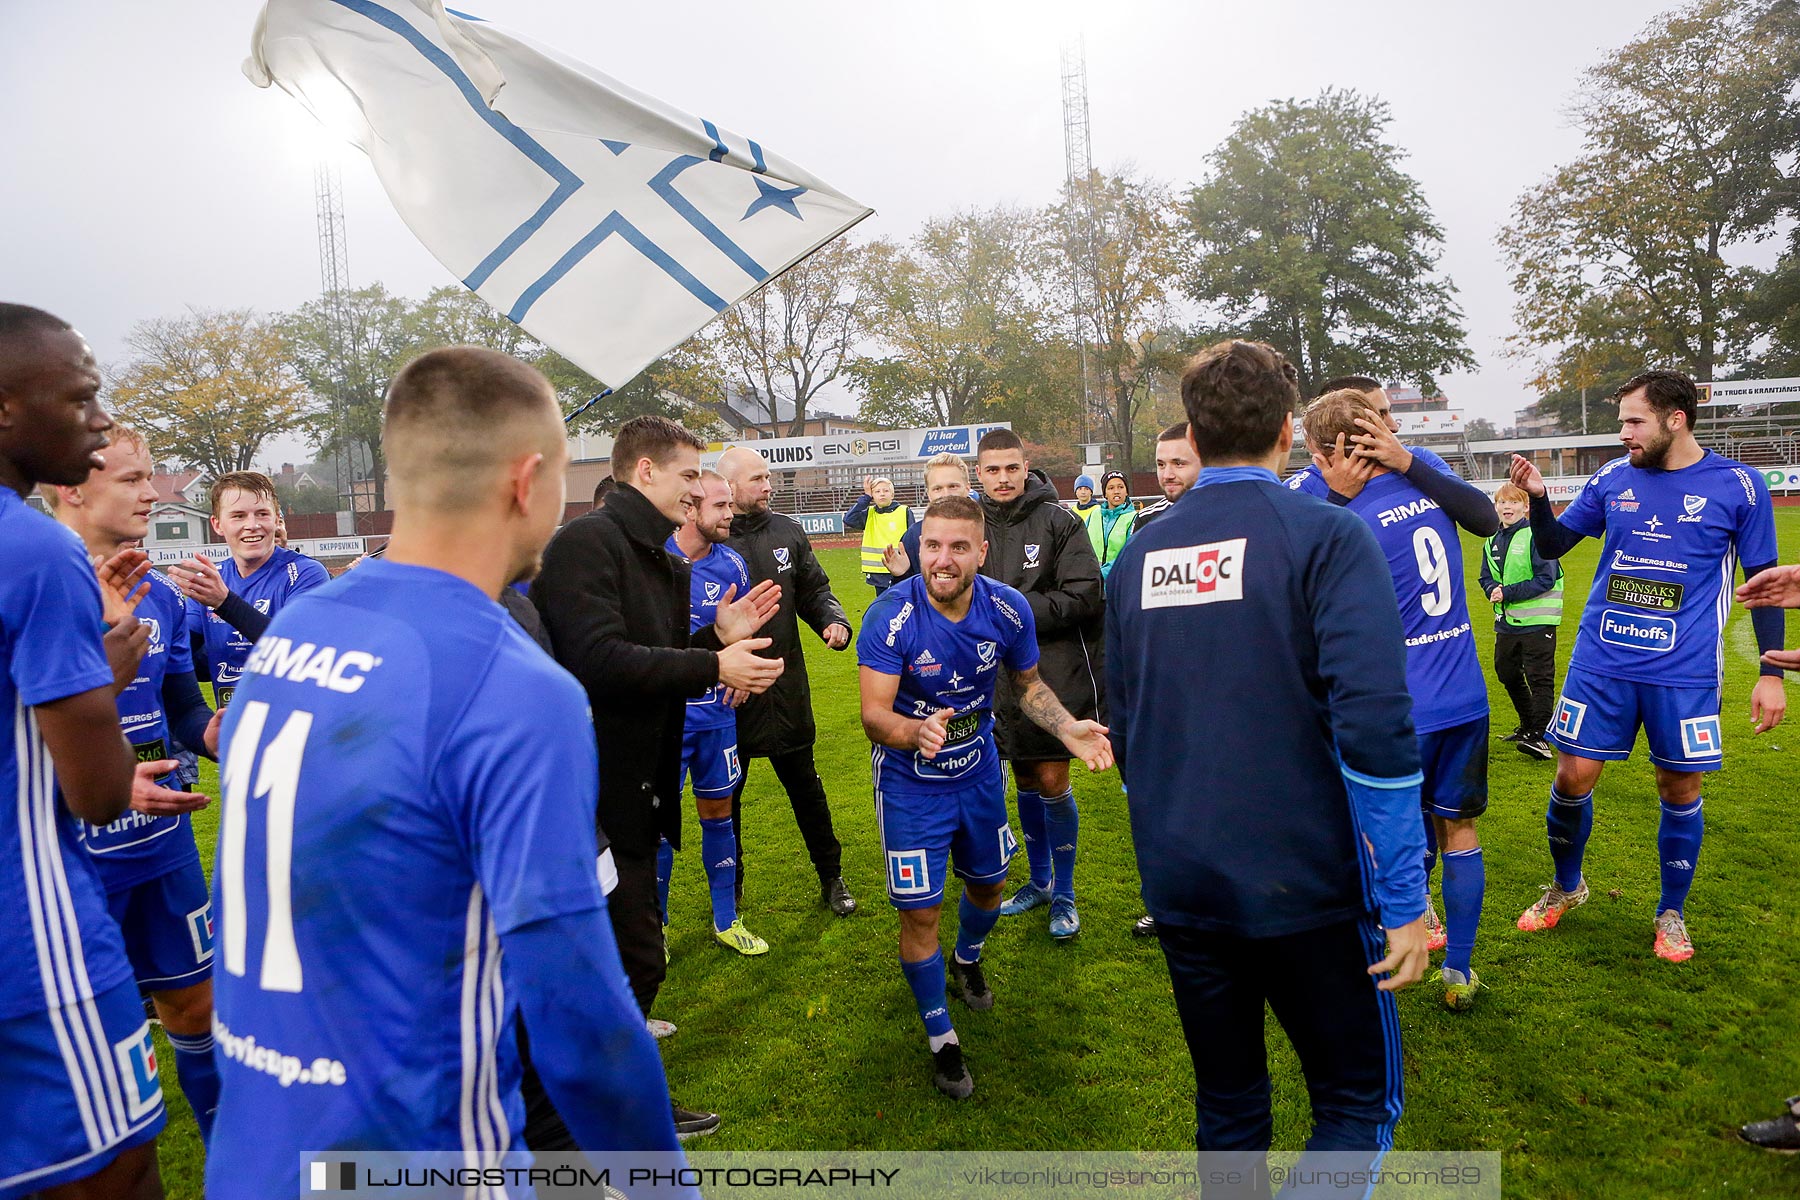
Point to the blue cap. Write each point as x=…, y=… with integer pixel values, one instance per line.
x=1085, y=481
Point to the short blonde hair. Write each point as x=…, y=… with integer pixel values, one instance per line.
x=1512, y=493
x=1332, y=414
x=949, y=460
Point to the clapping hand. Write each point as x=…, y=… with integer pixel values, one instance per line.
x=199, y=580
x=737, y=619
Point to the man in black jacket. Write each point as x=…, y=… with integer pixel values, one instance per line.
x=1042, y=549
x=616, y=605
x=778, y=725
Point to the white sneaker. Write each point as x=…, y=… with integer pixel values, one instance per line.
x=659, y=1029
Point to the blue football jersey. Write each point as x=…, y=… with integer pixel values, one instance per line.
x=139, y=846
x=283, y=575
x=947, y=664
x=1424, y=556
x=58, y=941
x=721, y=568
x=1307, y=479
x=406, y=776
x=1662, y=591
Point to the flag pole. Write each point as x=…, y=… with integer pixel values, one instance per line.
x=602, y=394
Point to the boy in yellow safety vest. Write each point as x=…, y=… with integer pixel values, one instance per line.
x=882, y=521
x=1526, y=590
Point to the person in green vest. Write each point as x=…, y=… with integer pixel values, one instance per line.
x=882, y=521
x=1116, y=516
x=1087, y=507
x=1527, y=593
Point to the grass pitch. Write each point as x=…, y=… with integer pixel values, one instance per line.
x=1596, y=1069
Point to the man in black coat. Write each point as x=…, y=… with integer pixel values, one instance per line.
x=778, y=725
x=615, y=603
x=1041, y=548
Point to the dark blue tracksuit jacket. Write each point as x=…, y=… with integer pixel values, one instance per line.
x=1257, y=676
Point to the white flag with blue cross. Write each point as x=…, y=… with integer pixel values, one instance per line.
x=606, y=223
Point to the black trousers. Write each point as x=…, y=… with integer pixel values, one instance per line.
x=637, y=921
x=806, y=792
x=1346, y=1032
x=1525, y=665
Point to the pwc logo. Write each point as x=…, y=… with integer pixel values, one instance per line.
x=1185, y=575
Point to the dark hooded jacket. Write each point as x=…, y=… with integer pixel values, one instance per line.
x=1041, y=548
x=615, y=603
x=775, y=547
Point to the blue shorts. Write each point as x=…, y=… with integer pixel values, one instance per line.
x=1454, y=762
x=1598, y=717
x=81, y=1085
x=168, y=927
x=922, y=831
x=710, y=756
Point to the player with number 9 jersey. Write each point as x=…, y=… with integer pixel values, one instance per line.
x=399, y=795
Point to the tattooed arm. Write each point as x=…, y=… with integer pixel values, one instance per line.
x=1086, y=740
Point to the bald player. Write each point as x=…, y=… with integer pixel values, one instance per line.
x=778, y=725
x=402, y=757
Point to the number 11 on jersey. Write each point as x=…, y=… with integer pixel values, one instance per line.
x=277, y=778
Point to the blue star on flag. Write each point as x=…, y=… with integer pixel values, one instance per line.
x=770, y=196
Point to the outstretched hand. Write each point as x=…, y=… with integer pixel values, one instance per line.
x=148, y=796
x=1087, y=741
x=1776, y=587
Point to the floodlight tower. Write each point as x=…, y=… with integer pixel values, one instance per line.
x=1078, y=174
x=334, y=284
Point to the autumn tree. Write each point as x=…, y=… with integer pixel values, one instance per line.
x=1687, y=131
x=955, y=314
x=348, y=370
x=793, y=336
x=1112, y=246
x=209, y=388
x=1311, y=237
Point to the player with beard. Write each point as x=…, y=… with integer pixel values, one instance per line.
x=147, y=859
x=778, y=724
x=1650, y=652
x=1177, y=467
x=232, y=604
x=945, y=475
x=931, y=652
x=709, y=752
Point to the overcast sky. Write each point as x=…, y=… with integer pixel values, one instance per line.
x=146, y=174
